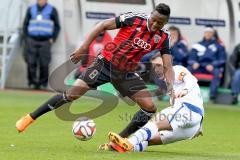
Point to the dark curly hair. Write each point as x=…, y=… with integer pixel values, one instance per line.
x=163, y=9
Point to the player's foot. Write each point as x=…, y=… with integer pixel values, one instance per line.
x=23, y=123
x=106, y=147
x=122, y=142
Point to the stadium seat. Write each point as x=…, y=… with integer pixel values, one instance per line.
x=203, y=77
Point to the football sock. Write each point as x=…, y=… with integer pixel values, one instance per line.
x=146, y=133
x=53, y=103
x=141, y=146
x=139, y=120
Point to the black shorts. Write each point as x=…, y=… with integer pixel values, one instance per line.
x=101, y=72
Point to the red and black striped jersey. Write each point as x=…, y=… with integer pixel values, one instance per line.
x=134, y=40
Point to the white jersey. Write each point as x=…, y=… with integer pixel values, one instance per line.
x=185, y=80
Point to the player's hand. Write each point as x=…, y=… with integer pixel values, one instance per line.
x=181, y=93
x=173, y=41
x=172, y=97
x=209, y=68
x=51, y=41
x=76, y=55
x=171, y=93
x=196, y=66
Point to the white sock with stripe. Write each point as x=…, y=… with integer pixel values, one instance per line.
x=144, y=134
x=141, y=146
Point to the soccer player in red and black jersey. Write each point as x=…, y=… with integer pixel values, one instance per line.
x=139, y=34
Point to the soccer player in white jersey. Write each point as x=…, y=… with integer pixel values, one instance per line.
x=181, y=121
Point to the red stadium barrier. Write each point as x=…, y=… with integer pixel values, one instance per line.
x=204, y=76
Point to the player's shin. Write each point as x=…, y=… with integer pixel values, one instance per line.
x=52, y=104
x=146, y=133
x=139, y=120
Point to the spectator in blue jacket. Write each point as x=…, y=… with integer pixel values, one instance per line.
x=208, y=56
x=40, y=29
x=178, y=48
x=235, y=66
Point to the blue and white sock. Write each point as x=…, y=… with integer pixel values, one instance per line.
x=146, y=133
x=141, y=146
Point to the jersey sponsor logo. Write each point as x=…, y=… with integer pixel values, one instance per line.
x=157, y=38
x=142, y=44
x=181, y=76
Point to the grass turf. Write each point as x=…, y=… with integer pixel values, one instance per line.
x=50, y=138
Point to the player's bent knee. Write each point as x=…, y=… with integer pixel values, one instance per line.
x=156, y=140
x=149, y=107
x=79, y=88
x=74, y=94
x=72, y=97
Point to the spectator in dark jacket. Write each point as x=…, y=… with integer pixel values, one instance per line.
x=235, y=65
x=41, y=28
x=208, y=56
x=178, y=48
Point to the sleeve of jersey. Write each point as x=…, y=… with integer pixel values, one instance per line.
x=190, y=81
x=165, y=48
x=182, y=75
x=124, y=20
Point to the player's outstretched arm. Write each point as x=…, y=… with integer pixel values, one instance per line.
x=169, y=74
x=108, y=24
x=168, y=68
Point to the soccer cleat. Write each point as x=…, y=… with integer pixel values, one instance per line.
x=122, y=142
x=23, y=123
x=106, y=147
x=117, y=148
x=199, y=133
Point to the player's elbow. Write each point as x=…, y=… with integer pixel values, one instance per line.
x=108, y=24
x=101, y=26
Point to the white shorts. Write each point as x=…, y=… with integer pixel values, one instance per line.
x=185, y=123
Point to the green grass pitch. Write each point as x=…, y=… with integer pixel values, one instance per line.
x=50, y=138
